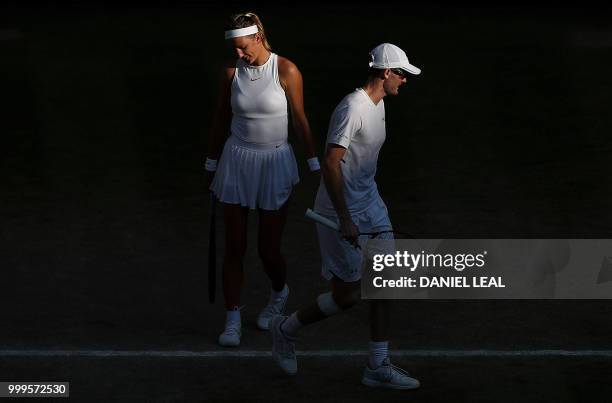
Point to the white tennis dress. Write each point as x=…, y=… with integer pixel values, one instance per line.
x=257, y=168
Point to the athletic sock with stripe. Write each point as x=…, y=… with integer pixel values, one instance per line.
x=379, y=350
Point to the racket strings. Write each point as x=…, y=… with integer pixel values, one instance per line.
x=373, y=235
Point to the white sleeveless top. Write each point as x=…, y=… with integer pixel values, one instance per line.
x=259, y=105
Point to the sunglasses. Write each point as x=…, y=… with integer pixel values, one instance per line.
x=399, y=72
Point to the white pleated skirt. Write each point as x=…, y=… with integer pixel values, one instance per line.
x=255, y=175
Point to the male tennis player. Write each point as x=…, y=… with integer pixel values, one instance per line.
x=348, y=194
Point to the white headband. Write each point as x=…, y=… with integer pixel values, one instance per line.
x=234, y=33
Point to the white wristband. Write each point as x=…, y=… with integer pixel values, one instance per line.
x=210, y=165
x=313, y=164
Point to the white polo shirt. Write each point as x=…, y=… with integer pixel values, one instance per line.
x=358, y=125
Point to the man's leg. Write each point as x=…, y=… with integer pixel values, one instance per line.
x=379, y=331
x=284, y=330
x=380, y=310
x=341, y=264
x=380, y=372
x=343, y=296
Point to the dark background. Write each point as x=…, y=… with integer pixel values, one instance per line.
x=103, y=209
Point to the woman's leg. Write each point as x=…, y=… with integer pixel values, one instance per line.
x=271, y=226
x=236, y=219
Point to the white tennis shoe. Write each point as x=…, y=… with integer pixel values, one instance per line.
x=276, y=306
x=388, y=376
x=283, y=347
x=231, y=335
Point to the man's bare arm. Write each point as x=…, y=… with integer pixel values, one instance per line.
x=334, y=183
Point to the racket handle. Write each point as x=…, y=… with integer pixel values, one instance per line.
x=212, y=250
x=322, y=220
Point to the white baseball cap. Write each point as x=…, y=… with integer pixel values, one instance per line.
x=388, y=56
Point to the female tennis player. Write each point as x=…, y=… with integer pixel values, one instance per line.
x=257, y=168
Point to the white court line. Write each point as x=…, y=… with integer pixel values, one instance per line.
x=308, y=353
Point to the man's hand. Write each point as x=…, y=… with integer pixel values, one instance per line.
x=349, y=231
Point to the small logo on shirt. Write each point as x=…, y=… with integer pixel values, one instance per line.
x=254, y=79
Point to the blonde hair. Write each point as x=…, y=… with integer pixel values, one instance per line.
x=246, y=20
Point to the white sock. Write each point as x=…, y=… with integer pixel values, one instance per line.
x=233, y=316
x=281, y=293
x=291, y=325
x=379, y=350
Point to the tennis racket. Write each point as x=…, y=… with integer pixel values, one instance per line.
x=212, y=251
x=313, y=215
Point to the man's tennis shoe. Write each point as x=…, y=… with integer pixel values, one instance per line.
x=231, y=335
x=388, y=376
x=276, y=306
x=283, y=346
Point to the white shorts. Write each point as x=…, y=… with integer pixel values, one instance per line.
x=341, y=259
x=255, y=175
